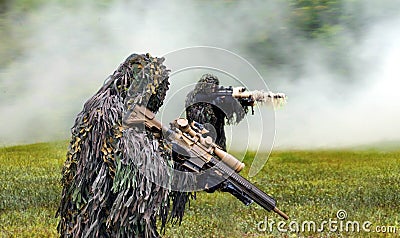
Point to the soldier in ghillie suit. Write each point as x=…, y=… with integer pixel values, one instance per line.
x=214, y=114
x=109, y=177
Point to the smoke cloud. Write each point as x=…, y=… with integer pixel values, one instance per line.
x=69, y=50
x=328, y=111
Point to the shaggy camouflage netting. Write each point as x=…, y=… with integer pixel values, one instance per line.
x=112, y=174
x=212, y=115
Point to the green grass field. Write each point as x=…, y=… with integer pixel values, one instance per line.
x=308, y=185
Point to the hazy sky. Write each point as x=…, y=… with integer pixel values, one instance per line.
x=69, y=52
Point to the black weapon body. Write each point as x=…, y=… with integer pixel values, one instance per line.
x=199, y=153
x=223, y=95
x=247, y=188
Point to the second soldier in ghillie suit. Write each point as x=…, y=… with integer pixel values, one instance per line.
x=108, y=177
x=214, y=113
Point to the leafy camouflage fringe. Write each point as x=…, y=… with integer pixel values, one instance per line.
x=115, y=179
x=211, y=117
x=140, y=186
x=231, y=109
x=208, y=114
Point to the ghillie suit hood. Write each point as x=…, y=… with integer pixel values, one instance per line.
x=115, y=178
x=216, y=114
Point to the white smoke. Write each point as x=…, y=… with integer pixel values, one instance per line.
x=325, y=112
x=68, y=51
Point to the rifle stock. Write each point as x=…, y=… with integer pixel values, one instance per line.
x=198, y=147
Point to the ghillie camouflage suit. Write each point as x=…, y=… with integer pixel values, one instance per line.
x=213, y=115
x=109, y=177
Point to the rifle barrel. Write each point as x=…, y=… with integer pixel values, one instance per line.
x=258, y=196
x=282, y=214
